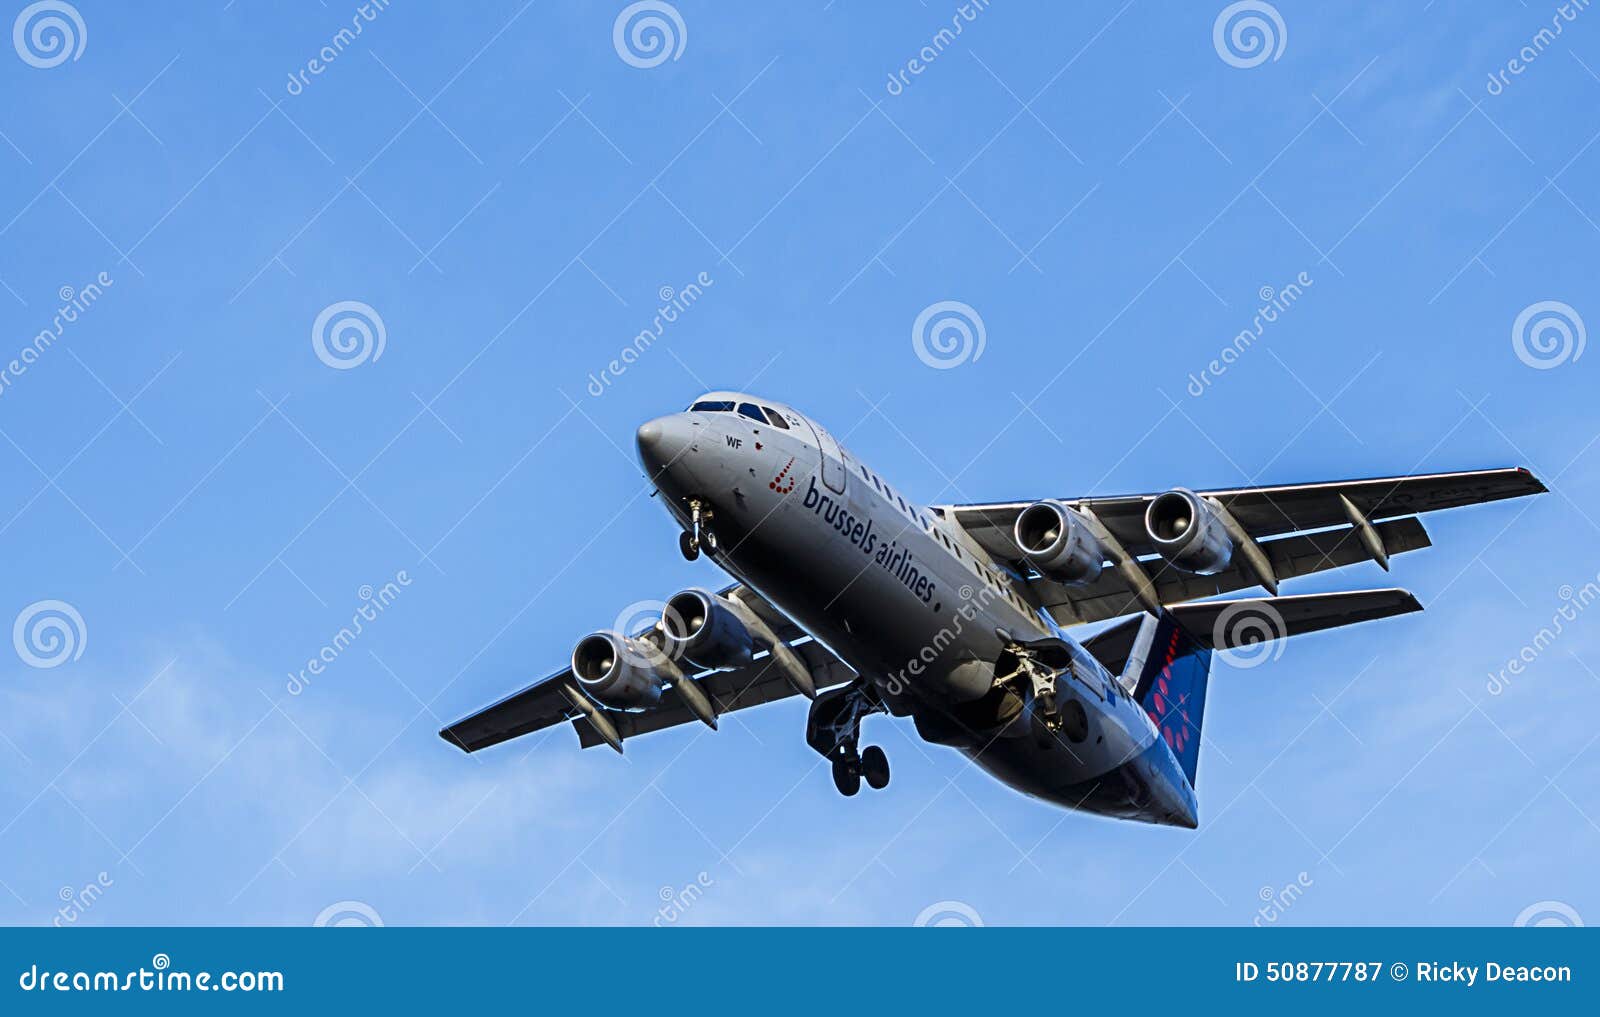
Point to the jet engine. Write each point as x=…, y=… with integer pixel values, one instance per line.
x=702, y=629
x=619, y=672
x=1188, y=532
x=1057, y=540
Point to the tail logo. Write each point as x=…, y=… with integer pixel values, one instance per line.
x=1161, y=707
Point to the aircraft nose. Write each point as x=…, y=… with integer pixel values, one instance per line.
x=662, y=442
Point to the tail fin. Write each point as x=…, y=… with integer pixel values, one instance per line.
x=1167, y=670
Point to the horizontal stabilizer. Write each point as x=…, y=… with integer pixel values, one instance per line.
x=1226, y=624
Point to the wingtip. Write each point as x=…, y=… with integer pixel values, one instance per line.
x=1538, y=485
x=450, y=738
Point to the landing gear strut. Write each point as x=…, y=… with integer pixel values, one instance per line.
x=1039, y=664
x=834, y=730
x=700, y=532
x=1040, y=681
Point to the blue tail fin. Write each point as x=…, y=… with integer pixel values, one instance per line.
x=1171, y=686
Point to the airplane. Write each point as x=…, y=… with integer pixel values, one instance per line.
x=849, y=594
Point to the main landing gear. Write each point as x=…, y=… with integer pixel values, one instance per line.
x=1038, y=666
x=834, y=730
x=700, y=534
x=850, y=769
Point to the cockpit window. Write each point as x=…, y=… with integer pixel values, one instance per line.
x=753, y=412
x=712, y=406
x=776, y=418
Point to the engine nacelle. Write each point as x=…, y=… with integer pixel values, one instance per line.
x=1058, y=541
x=704, y=630
x=1188, y=533
x=619, y=672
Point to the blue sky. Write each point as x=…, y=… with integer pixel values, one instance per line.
x=510, y=196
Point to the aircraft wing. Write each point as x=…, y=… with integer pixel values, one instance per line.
x=1299, y=528
x=559, y=697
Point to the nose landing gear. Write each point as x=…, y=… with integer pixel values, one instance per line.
x=700, y=534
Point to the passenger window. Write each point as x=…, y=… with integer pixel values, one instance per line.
x=776, y=418
x=751, y=411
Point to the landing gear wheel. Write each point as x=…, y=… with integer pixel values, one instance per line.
x=710, y=538
x=875, y=767
x=847, y=775
x=688, y=545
